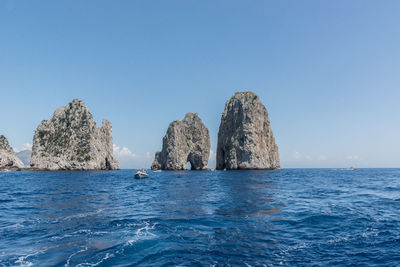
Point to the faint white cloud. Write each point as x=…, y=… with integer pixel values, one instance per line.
x=353, y=158
x=122, y=153
x=25, y=146
x=115, y=149
x=321, y=157
x=212, y=155
x=212, y=159
x=148, y=155
x=297, y=155
x=125, y=152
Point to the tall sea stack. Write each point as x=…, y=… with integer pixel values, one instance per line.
x=185, y=141
x=245, y=139
x=8, y=160
x=71, y=140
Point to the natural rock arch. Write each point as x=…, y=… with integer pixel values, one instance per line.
x=185, y=141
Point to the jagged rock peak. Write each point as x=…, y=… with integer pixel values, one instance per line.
x=185, y=141
x=245, y=139
x=4, y=145
x=8, y=160
x=71, y=140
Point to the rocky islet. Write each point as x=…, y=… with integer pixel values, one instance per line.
x=8, y=160
x=245, y=138
x=71, y=140
x=187, y=140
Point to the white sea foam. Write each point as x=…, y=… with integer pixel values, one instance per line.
x=22, y=259
x=143, y=233
x=339, y=239
x=13, y=226
x=81, y=215
x=73, y=254
x=370, y=232
x=107, y=256
x=295, y=247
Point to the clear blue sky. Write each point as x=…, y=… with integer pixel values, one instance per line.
x=327, y=71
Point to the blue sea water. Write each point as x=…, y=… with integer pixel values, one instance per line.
x=296, y=217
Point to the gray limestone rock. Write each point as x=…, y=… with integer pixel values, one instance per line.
x=245, y=139
x=8, y=160
x=71, y=140
x=185, y=141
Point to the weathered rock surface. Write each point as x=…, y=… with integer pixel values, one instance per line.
x=71, y=140
x=8, y=160
x=185, y=141
x=245, y=139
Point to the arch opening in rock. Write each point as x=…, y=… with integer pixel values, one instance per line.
x=186, y=141
x=188, y=165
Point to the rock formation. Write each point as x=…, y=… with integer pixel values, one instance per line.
x=245, y=139
x=185, y=141
x=71, y=140
x=8, y=160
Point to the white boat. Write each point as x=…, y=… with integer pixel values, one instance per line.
x=141, y=174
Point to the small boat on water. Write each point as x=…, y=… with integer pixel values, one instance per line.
x=141, y=174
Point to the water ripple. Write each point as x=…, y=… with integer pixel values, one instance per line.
x=300, y=217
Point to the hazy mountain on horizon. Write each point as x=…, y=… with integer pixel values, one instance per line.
x=24, y=156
